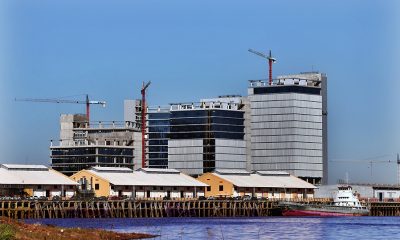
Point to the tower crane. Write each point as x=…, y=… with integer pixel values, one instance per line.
x=87, y=102
x=369, y=161
x=143, y=92
x=270, y=59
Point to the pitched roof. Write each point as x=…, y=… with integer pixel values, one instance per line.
x=14, y=174
x=266, y=179
x=146, y=177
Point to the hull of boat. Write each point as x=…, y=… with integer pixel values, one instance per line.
x=293, y=209
x=304, y=213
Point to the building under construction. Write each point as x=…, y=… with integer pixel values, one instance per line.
x=207, y=135
x=289, y=125
x=102, y=144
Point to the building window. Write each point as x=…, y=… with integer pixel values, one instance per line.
x=96, y=186
x=221, y=188
x=208, y=188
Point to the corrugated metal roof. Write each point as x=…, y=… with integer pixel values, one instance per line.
x=24, y=167
x=232, y=171
x=265, y=181
x=160, y=170
x=273, y=173
x=112, y=169
x=32, y=175
x=143, y=178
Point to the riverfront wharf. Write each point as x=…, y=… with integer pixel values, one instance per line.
x=135, y=209
x=24, y=209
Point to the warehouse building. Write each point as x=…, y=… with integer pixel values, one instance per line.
x=141, y=183
x=289, y=125
x=260, y=184
x=34, y=181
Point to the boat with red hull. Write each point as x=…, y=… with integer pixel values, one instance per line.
x=345, y=204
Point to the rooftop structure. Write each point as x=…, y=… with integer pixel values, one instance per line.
x=289, y=125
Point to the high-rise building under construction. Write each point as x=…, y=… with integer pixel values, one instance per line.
x=289, y=125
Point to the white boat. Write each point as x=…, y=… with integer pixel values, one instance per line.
x=345, y=203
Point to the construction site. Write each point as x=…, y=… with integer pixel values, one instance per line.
x=275, y=140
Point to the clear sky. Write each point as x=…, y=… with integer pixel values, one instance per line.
x=198, y=49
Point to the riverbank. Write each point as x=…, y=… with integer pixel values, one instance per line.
x=11, y=229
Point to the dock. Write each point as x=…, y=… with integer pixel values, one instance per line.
x=158, y=209
x=135, y=209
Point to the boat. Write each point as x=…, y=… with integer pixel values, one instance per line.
x=345, y=203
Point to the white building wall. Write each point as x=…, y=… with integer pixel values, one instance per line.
x=137, y=152
x=230, y=154
x=286, y=133
x=186, y=155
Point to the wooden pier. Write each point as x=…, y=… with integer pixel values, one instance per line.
x=135, y=209
x=157, y=209
x=383, y=209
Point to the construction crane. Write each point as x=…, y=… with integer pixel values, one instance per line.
x=398, y=169
x=270, y=59
x=143, y=92
x=369, y=161
x=87, y=102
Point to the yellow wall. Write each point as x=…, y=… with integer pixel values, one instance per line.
x=215, y=182
x=29, y=191
x=104, y=185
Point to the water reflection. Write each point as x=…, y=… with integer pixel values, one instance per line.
x=247, y=228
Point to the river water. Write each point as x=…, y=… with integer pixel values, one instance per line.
x=246, y=228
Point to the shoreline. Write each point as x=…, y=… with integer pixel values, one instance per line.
x=19, y=230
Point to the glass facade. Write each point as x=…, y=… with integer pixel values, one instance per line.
x=158, y=128
x=208, y=125
x=69, y=160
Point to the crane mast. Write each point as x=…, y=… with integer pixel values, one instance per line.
x=144, y=108
x=270, y=59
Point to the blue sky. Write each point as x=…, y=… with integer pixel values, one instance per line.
x=191, y=50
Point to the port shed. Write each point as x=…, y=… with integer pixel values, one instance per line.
x=260, y=184
x=141, y=183
x=34, y=180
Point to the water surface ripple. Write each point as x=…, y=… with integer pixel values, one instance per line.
x=246, y=228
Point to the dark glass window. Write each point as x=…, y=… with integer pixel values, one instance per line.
x=288, y=89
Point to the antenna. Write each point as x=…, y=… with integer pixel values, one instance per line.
x=398, y=169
